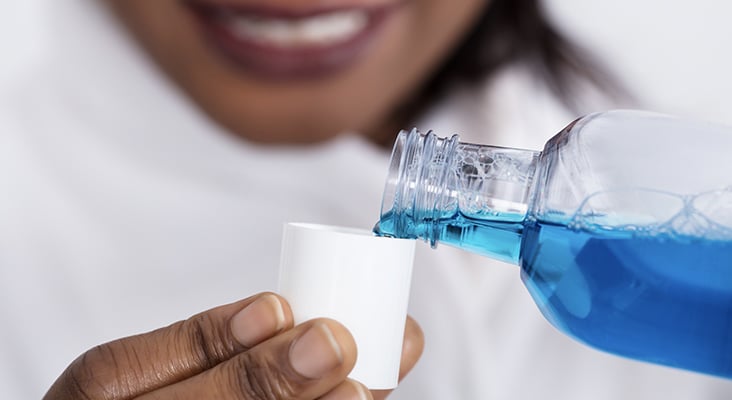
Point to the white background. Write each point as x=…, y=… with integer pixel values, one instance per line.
x=21, y=34
x=675, y=55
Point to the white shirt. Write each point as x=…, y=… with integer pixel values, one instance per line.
x=123, y=209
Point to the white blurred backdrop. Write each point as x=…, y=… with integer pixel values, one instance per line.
x=21, y=35
x=674, y=54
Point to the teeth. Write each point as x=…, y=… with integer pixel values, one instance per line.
x=323, y=29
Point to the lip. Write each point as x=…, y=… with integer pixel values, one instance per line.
x=281, y=63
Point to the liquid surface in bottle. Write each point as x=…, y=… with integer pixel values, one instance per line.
x=495, y=236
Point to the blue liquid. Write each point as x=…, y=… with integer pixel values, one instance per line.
x=663, y=300
x=498, y=237
x=666, y=300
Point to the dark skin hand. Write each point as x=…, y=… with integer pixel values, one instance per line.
x=245, y=351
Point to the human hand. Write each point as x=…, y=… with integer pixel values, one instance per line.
x=245, y=351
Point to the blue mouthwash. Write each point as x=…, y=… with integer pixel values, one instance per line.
x=623, y=236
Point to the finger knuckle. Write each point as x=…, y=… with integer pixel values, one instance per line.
x=84, y=379
x=205, y=340
x=260, y=378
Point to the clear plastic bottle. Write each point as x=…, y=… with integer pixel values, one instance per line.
x=622, y=227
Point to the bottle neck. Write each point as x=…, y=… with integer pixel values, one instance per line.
x=441, y=190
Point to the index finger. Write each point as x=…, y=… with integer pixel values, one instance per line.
x=138, y=364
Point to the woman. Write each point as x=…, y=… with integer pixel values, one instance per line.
x=138, y=193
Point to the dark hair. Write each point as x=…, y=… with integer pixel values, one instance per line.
x=517, y=31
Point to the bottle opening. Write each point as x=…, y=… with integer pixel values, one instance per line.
x=416, y=185
x=392, y=180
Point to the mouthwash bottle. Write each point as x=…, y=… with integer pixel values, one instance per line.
x=622, y=227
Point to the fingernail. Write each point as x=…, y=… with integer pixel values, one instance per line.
x=258, y=321
x=349, y=390
x=316, y=352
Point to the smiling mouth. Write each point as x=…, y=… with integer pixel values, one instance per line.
x=281, y=44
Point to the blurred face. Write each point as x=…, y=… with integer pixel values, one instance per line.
x=299, y=71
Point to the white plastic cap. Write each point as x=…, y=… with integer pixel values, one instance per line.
x=357, y=279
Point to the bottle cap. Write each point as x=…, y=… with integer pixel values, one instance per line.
x=357, y=279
